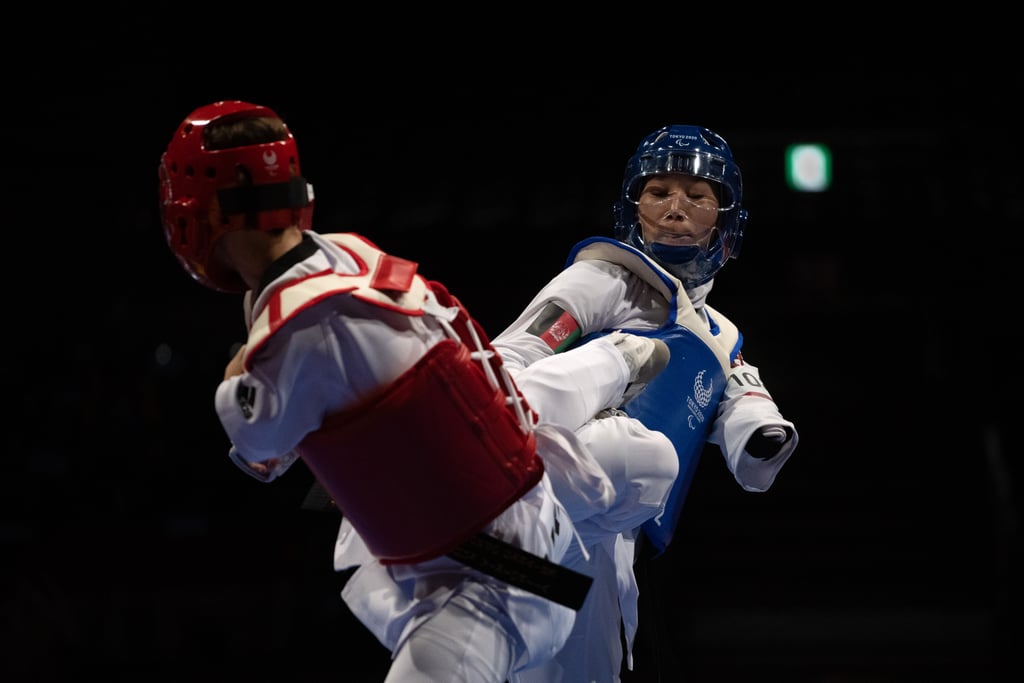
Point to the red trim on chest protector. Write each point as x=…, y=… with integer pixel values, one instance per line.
x=393, y=273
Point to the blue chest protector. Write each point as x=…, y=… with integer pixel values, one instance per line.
x=681, y=401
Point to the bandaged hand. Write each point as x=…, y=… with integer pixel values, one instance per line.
x=767, y=441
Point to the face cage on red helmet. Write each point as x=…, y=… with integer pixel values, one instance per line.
x=201, y=200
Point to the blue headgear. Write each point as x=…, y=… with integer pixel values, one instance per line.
x=695, y=151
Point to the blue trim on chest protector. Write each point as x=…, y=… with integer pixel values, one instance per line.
x=670, y=284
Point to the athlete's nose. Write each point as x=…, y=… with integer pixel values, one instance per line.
x=675, y=208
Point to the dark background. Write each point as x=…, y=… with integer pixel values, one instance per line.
x=882, y=313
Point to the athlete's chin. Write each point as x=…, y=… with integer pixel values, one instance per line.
x=676, y=240
x=673, y=237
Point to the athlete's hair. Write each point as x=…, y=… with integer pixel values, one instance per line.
x=227, y=133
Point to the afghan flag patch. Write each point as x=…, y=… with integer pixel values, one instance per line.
x=556, y=327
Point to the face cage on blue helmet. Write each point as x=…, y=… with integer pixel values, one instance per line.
x=693, y=265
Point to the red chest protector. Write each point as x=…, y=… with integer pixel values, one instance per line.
x=427, y=462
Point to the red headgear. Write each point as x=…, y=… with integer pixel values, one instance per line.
x=201, y=199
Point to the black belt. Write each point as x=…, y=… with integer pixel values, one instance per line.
x=501, y=560
x=524, y=570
